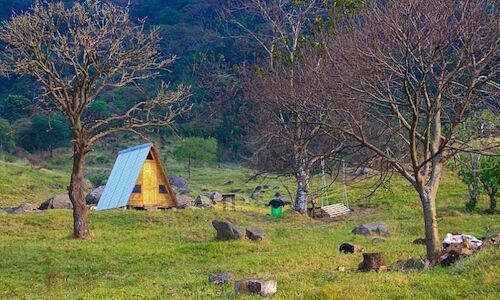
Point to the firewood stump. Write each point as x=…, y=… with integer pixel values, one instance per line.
x=373, y=261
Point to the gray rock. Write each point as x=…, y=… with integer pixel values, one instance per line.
x=216, y=197
x=226, y=230
x=56, y=202
x=203, y=201
x=419, y=241
x=361, y=171
x=372, y=228
x=220, y=278
x=414, y=264
x=255, y=286
x=93, y=197
x=2, y=212
x=179, y=184
x=255, y=196
x=255, y=234
x=183, y=201
x=23, y=208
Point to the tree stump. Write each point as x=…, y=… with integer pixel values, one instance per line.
x=373, y=261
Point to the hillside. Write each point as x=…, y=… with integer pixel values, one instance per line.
x=169, y=254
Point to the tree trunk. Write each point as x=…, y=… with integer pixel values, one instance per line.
x=302, y=178
x=432, y=239
x=189, y=169
x=75, y=189
x=474, y=188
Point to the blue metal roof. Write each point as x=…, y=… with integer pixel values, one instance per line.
x=123, y=177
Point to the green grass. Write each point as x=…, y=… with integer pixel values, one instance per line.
x=169, y=254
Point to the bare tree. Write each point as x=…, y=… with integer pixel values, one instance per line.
x=77, y=53
x=282, y=26
x=407, y=74
x=287, y=140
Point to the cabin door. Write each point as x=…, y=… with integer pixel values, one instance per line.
x=149, y=182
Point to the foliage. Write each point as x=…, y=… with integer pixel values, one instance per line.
x=14, y=107
x=7, y=135
x=490, y=178
x=196, y=150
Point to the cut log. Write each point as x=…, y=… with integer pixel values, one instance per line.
x=373, y=261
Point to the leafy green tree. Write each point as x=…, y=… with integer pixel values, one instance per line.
x=196, y=149
x=50, y=133
x=14, y=107
x=7, y=136
x=490, y=178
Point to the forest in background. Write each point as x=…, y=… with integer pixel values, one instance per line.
x=208, y=58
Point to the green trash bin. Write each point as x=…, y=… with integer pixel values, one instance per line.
x=277, y=211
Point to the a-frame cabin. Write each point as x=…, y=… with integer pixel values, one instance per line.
x=137, y=180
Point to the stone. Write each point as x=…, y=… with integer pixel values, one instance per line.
x=179, y=183
x=56, y=202
x=183, y=201
x=419, y=241
x=203, y=201
x=255, y=286
x=414, y=264
x=350, y=248
x=220, y=278
x=265, y=186
x=255, y=234
x=215, y=197
x=378, y=240
x=369, y=229
x=373, y=261
x=93, y=197
x=2, y=212
x=255, y=196
x=361, y=171
x=23, y=208
x=226, y=230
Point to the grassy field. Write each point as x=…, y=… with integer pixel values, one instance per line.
x=169, y=254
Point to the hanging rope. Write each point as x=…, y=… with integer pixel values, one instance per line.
x=346, y=201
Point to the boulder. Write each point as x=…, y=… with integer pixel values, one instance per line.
x=226, y=230
x=255, y=196
x=56, y=202
x=183, y=201
x=350, y=248
x=255, y=286
x=419, y=241
x=93, y=197
x=179, y=184
x=215, y=197
x=255, y=234
x=414, y=265
x=203, y=201
x=372, y=228
x=361, y=171
x=220, y=278
x=373, y=261
x=23, y=208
